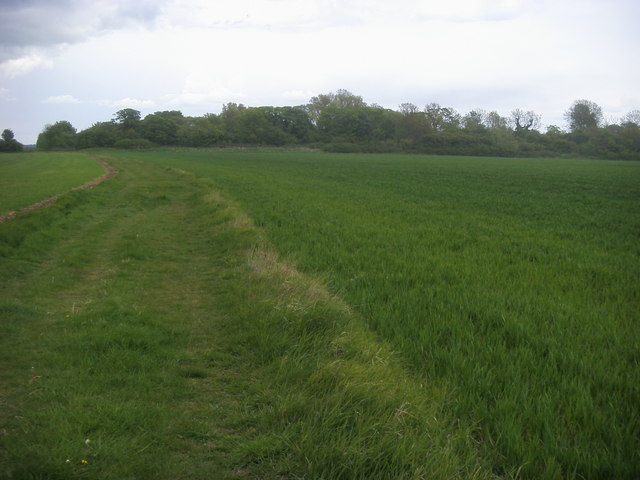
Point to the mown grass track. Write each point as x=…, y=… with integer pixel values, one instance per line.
x=109, y=364
x=147, y=331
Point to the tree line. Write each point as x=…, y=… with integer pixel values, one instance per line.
x=342, y=122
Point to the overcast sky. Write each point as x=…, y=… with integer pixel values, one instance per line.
x=82, y=61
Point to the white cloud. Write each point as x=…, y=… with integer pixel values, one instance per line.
x=5, y=95
x=468, y=10
x=62, y=99
x=215, y=95
x=243, y=14
x=23, y=65
x=127, y=103
x=309, y=15
x=298, y=95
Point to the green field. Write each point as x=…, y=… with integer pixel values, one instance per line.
x=507, y=289
x=514, y=284
x=26, y=178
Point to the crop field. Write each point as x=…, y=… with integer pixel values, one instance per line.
x=27, y=178
x=512, y=284
x=309, y=315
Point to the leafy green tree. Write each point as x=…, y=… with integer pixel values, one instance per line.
x=344, y=124
x=9, y=143
x=231, y=115
x=383, y=123
x=556, y=141
x=128, y=118
x=204, y=131
x=474, y=121
x=257, y=126
x=339, y=99
x=59, y=136
x=293, y=121
x=583, y=115
x=494, y=121
x=440, y=118
x=101, y=134
x=412, y=125
x=629, y=140
x=163, y=128
x=7, y=135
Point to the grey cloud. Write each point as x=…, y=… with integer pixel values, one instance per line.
x=43, y=23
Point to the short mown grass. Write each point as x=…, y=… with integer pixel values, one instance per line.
x=150, y=331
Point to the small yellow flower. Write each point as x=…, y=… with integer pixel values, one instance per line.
x=83, y=461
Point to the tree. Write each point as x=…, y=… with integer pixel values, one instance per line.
x=101, y=134
x=412, y=124
x=383, y=123
x=339, y=99
x=163, y=128
x=59, y=136
x=441, y=118
x=128, y=118
x=231, y=115
x=474, y=120
x=9, y=143
x=204, y=131
x=525, y=121
x=408, y=109
x=583, y=115
x=292, y=120
x=494, y=121
x=257, y=125
x=631, y=118
x=7, y=135
x=347, y=124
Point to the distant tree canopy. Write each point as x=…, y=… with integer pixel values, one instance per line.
x=8, y=143
x=631, y=118
x=341, y=121
x=525, y=121
x=163, y=128
x=59, y=136
x=127, y=118
x=583, y=114
x=338, y=99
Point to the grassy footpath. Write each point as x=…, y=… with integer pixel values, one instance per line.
x=29, y=178
x=146, y=331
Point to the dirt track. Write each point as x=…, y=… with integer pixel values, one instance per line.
x=109, y=172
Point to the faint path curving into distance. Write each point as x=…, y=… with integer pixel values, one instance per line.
x=109, y=172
